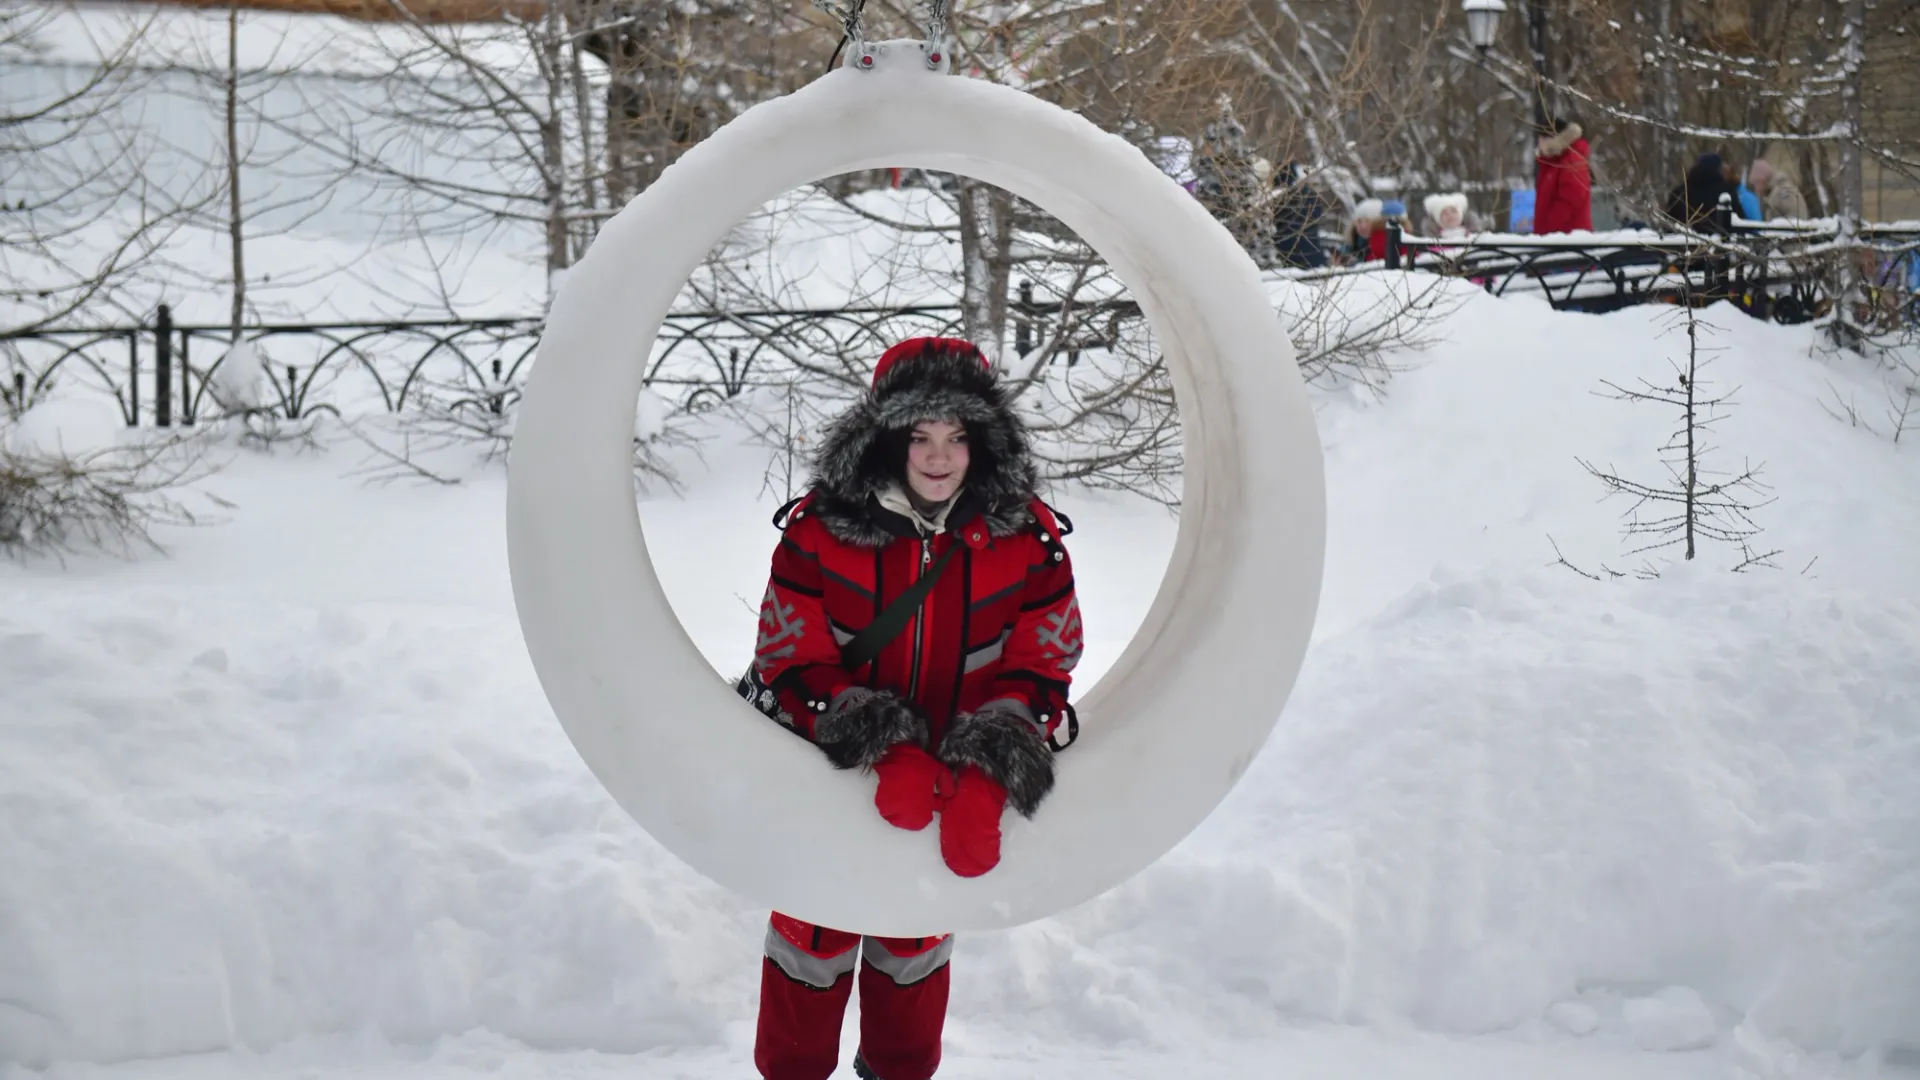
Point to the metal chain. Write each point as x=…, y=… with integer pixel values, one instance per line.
x=852, y=32
x=936, y=29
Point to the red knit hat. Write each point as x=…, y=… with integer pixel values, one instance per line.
x=926, y=346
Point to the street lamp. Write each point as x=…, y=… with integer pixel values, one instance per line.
x=1483, y=26
x=1483, y=21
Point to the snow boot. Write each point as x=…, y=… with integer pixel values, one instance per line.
x=861, y=1069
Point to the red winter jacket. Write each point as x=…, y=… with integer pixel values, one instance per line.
x=1001, y=625
x=1563, y=185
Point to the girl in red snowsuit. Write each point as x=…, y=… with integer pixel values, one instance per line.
x=957, y=714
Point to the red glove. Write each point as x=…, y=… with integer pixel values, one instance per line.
x=970, y=824
x=912, y=785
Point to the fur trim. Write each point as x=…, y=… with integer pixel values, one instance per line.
x=1005, y=745
x=864, y=447
x=1369, y=208
x=1436, y=203
x=1555, y=145
x=862, y=725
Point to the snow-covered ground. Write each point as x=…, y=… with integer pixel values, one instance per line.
x=289, y=802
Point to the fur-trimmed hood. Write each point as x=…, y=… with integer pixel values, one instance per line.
x=864, y=449
x=1554, y=145
x=1438, y=202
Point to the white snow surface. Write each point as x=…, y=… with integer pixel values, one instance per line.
x=289, y=802
x=65, y=427
x=238, y=381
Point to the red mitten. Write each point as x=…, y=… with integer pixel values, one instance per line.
x=912, y=783
x=970, y=824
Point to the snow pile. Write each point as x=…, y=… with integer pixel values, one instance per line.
x=239, y=381
x=245, y=805
x=650, y=416
x=65, y=427
x=1565, y=792
x=233, y=824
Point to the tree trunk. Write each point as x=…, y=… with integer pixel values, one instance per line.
x=1853, y=31
x=553, y=150
x=1852, y=293
x=234, y=220
x=589, y=160
x=986, y=250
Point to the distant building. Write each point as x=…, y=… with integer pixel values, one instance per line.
x=431, y=11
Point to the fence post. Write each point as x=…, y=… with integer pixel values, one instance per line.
x=19, y=391
x=293, y=392
x=133, y=378
x=495, y=403
x=186, y=381
x=1393, y=245
x=163, y=368
x=1720, y=263
x=736, y=381
x=1023, y=326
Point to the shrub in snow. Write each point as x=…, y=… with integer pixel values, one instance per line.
x=656, y=429
x=58, y=496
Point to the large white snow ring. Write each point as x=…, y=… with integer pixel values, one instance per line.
x=1166, y=733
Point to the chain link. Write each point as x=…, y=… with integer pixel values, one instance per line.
x=936, y=24
x=854, y=34
x=848, y=16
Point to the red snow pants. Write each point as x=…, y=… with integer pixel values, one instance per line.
x=807, y=979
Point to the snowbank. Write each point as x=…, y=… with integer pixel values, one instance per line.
x=1565, y=791
x=233, y=824
x=67, y=427
x=298, y=779
x=236, y=825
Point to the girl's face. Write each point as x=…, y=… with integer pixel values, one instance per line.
x=1449, y=217
x=936, y=459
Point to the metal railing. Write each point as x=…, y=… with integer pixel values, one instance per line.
x=1786, y=272
x=164, y=373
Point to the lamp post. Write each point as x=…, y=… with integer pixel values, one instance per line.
x=1483, y=21
x=1483, y=28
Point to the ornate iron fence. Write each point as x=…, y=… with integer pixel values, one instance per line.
x=165, y=373
x=1784, y=272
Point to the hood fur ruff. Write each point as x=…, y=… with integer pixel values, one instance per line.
x=1438, y=202
x=865, y=448
x=1554, y=146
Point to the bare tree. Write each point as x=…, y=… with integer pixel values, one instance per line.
x=528, y=131
x=84, y=215
x=1694, y=502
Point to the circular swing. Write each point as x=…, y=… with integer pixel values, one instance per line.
x=1182, y=712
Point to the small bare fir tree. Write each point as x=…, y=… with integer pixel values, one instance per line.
x=1694, y=502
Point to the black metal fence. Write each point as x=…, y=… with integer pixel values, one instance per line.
x=1784, y=272
x=165, y=373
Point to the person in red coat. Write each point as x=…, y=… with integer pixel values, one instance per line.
x=1563, y=181
x=956, y=716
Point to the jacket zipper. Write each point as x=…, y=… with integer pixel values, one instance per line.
x=913, y=672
